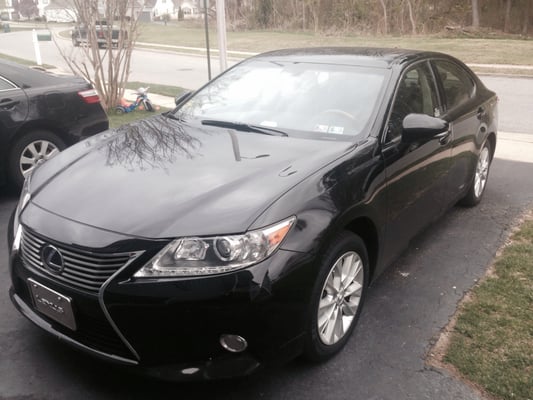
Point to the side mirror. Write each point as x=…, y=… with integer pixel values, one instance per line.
x=180, y=98
x=418, y=127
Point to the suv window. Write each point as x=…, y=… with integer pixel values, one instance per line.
x=457, y=83
x=416, y=93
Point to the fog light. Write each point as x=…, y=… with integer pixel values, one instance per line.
x=190, y=371
x=233, y=343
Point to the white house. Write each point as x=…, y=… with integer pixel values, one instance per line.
x=57, y=10
x=7, y=12
x=155, y=9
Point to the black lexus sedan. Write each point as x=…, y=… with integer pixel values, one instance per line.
x=40, y=115
x=245, y=226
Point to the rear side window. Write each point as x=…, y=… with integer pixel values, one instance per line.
x=457, y=83
x=5, y=85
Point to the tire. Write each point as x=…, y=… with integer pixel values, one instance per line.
x=31, y=150
x=326, y=336
x=479, y=180
x=119, y=110
x=148, y=106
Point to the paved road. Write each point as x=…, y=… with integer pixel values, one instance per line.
x=189, y=71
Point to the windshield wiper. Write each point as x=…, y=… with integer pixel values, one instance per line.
x=241, y=126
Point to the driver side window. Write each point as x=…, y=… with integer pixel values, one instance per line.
x=416, y=93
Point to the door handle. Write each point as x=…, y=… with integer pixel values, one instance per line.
x=444, y=137
x=481, y=112
x=8, y=103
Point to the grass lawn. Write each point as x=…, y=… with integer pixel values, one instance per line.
x=492, y=341
x=164, y=90
x=23, y=61
x=117, y=120
x=470, y=50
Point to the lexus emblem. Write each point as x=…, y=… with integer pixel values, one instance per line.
x=52, y=259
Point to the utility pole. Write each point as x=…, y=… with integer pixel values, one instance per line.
x=221, y=27
x=206, y=16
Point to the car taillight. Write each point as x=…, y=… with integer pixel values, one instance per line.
x=89, y=96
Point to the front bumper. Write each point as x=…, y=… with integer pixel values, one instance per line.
x=171, y=328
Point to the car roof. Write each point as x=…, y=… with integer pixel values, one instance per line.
x=360, y=56
x=25, y=77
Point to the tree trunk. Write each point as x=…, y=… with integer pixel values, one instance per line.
x=411, y=17
x=475, y=13
x=303, y=16
x=385, y=17
x=507, y=23
x=527, y=12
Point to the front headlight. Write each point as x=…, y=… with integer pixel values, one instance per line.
x=195, y=256
x=25, y=196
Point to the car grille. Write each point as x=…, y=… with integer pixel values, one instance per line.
x=82, y=270
x=93, y=330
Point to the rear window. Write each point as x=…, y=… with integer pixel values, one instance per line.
x=457, y=83
x=25, y=77
x=5, y=85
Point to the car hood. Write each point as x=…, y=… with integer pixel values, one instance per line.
x=160, y=178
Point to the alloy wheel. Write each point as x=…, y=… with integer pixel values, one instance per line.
x=340, y=298
x=482, y=172
x=36, y=153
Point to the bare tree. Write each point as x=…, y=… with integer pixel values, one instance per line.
x=109, y=30
x=411, y=17
x=26, y=8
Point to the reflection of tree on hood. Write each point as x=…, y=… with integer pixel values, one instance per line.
x=150, y=143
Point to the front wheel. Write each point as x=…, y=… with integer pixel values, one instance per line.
x=479, y=181
x=148, y=105
x=337, y=297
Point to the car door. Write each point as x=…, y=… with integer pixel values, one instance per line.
x=416, y=173
x=13, y=112
x=467, y=122
x=13, y=106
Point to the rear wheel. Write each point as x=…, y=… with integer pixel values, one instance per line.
x=337, y=297
x=31, y=150
x=479, y=181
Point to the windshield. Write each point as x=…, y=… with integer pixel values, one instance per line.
x=320, y=100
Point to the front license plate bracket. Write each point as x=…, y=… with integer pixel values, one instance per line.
x=52, y=304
